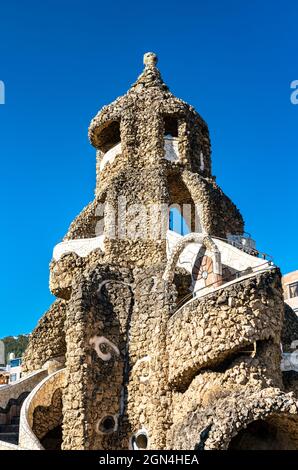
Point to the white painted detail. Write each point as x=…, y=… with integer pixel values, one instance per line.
x=110, y=155
x=82, y=247
x=134, y=438
x=96, y=341
x=143, y=378
x=202, y=164
x=171, y=149
x=108, y=281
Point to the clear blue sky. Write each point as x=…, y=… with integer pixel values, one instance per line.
x=61, y=61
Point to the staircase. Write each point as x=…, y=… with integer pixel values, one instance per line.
x=9, y=432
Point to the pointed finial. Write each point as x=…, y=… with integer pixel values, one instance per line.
x=150, y=59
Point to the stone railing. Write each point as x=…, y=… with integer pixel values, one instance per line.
x=206, y=331
x=82, y=247
x=40, y=396
x=26, y=384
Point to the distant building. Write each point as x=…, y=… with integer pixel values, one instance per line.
x=4, y=376
x=2, y=354
x=290, y=287
x=14, y=368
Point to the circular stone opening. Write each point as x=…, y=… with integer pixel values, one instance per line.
x=107, y=424
x=140, y=440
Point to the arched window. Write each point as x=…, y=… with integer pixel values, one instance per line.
x=109, y=144
x=184, y=216
x=109, y=136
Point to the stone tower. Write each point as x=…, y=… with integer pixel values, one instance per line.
x=158, y=340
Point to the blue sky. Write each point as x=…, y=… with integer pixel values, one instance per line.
x=61, y=61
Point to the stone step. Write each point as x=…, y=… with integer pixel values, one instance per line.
x=15, y=420
x=9, y=428
x=11, y=437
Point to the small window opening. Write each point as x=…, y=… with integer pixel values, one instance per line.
x=109, y=136
x=171, y=126
x=107, y=424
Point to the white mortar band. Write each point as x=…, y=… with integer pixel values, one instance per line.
x=96, y=341
x=110, y=156
x=82, y=247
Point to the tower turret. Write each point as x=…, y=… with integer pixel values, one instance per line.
x=153, y=152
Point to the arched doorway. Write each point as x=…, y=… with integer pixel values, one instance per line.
x=273, y=433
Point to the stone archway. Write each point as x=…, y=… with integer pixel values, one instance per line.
x=204, y=240
x=240, y=421
x=266, y=420
x=276, y=432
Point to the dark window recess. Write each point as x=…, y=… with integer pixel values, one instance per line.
x=107, y=424
x=171, y=126
x=109, y=136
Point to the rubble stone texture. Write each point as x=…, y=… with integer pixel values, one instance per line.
x=140, y=373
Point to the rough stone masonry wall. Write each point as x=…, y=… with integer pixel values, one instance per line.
x=243, y=373
x=46, y=418
x=96, y=335
x=213, y=427
x=67, y=268
x=206, y=330
x=227, y=376
x=137, y=240
x=47, y=340
x=149, y=397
